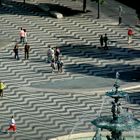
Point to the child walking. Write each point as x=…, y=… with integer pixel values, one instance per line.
x=12, y=124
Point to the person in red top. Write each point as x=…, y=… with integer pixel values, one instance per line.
x=130, y=33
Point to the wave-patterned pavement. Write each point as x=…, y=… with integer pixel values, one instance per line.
x=41, y=114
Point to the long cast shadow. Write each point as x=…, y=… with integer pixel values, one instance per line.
x=109, y=61
x=134, y=97
x=31, y=9
x=89, y=51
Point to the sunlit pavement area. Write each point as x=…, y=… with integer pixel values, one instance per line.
x=47, y=105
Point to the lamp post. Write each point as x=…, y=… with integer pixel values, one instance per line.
x=98, y=9
x=84, y=5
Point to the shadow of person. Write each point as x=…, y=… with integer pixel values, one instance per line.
x=2, y=132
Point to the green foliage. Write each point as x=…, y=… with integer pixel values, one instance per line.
x=102, y=1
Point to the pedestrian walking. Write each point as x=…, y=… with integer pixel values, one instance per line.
x=22, y=36
x=105, y=42
x=50, y=54
x=26, y=51
x=57, y=53
x=120, y=14
x=101, y=41
x=12, y=124
x=2, y=86
x=60, y=65
x=16, y=51
x=130, y=34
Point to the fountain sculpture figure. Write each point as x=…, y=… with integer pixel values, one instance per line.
x=119, y=121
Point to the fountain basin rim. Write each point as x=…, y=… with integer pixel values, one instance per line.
x=90, y=134
x=122, y=124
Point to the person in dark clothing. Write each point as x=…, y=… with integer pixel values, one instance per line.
x=120, y=14
x=57, y=53
x=26, y=50
x=101, y=41
x=16, y=49
x=105, y=41
x=59, y=65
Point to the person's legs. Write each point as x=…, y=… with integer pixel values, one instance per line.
x=20, y=40
x=17, y=56
x=27, y=54
x=1, y=92
x=129, y=39
x=58, y=67
x=10, y=127
x=61, y=69
x=120, y=20
x=106, y=47
x=53, y=66
x=14, y=128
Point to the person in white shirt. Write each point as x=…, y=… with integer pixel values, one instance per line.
x=22, y=35
x=12, y=124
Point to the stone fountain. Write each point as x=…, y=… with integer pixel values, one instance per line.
x=119, y=121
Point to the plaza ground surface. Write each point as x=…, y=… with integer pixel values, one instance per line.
x=47, y=105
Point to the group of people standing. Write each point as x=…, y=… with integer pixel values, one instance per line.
x=53, y=57
x=23, y=41
x=26, y=51
x=53, y=54
x=104, y=41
